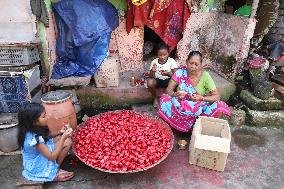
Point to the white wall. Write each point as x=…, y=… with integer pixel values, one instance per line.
x=17, y=23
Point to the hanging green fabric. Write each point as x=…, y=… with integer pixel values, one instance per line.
x=119, y=4
x=244, y=11
x=211, y=3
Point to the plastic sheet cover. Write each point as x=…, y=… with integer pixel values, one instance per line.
x=84, y=29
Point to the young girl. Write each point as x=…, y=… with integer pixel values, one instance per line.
x=42, y=155
x=161, y=70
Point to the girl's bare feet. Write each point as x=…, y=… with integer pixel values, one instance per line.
x=63, y=176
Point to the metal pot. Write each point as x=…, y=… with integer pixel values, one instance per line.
x=8, y=133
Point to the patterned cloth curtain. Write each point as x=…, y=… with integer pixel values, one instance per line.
x=167, y=18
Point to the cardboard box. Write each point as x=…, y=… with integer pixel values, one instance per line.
x=210, y=143
x=108, y=73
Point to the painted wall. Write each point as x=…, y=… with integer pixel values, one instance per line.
x=128, y=47
x=223, y=39
x=199, y=35
x=17, y=23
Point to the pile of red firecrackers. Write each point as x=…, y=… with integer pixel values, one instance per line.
x=139, y=82
x=256, y=62
x=122, y=141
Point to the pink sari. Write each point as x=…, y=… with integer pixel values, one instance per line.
x=182, y=114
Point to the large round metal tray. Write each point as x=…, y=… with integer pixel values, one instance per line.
x=146, y=115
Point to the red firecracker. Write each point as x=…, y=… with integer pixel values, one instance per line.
x=122, y=141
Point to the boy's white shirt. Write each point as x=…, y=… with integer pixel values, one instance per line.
x=168, y=67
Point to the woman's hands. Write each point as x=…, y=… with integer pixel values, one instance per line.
x=196, y=97
x=182, y=95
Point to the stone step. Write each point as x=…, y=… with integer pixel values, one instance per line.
x=225, y=87
x=124, y=95
x=70, y=81
x=257, y=104
x=265, y=118
x=237, y=118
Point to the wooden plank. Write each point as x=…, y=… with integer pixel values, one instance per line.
x=18, y=152
x=278, y=95
x=279, y=78
x=278, y=87
x=23, y=184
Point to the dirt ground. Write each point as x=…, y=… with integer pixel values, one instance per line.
x=257, y=163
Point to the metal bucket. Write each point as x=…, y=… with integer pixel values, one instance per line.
x=8, y=132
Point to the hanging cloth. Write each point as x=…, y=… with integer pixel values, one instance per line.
x=84, y=30
x=119, y=4
x=167, y=18
x=244, y=11
x=39, y=9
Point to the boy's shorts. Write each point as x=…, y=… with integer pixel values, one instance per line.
x=161, y=83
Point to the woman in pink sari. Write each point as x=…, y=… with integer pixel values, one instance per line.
x=196, y=95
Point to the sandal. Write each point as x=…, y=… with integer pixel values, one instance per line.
x=63, y=176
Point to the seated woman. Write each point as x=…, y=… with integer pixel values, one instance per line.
x=196, y=96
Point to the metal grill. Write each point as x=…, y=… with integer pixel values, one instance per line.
x=18, y=56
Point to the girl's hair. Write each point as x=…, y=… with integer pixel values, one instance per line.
x=163, y=46
x=27, y=117
x=194, y=53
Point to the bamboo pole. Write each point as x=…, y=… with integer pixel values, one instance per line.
x=254, y=8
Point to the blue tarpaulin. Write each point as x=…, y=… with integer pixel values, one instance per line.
x=84, y=29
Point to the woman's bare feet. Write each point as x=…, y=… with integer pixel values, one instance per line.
x=156, y=102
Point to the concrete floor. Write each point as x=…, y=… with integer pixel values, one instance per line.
x=252, y=167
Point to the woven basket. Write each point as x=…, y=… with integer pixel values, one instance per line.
x=149, y=117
